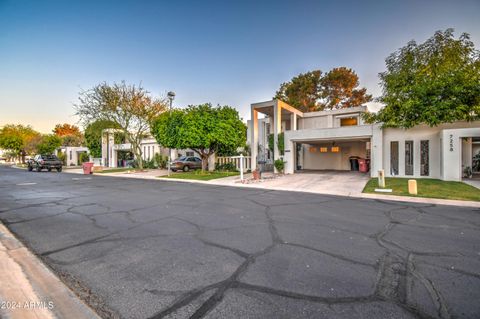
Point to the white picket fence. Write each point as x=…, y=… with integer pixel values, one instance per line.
x=247, y=161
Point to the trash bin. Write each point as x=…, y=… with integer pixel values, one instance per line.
x=363, y=165
x=354, y=163
x=87, y=168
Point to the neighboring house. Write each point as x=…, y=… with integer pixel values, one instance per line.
x=119, y=155
x=326, y=140
x=72, y=154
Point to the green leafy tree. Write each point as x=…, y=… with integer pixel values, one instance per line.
x=302, y=91
x=130, y=107
x=202, y=128
x=93, y=136
x=48, y=144
x=18, y=139
x=434, y=82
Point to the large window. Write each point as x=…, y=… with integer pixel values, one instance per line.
x=394, y=158
x=408, y=157
x=349, y=121
x=424, y=158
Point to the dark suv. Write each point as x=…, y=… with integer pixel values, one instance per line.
x=48, y=162
x=186, y=163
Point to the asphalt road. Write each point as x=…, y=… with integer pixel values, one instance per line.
x=163, y=249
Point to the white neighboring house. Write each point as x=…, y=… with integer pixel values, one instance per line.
x=326, y=140
x=72, y=154
x=111, y=152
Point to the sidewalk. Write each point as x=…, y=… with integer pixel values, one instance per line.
x=28, y=289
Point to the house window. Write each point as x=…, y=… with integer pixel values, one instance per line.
x=349, y=121
x=144, y=152
x=408, y=157
x=313, y=149
x=424, y=158
x=335, y=149
x=190, y=154
x=394, y=158
x=70, y=155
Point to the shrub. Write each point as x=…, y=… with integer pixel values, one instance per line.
x=61, y=156
x=84, y=157
x=279, y=165
x=160, y=161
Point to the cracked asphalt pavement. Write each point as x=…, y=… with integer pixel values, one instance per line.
x=162, y=249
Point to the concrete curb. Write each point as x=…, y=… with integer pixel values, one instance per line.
x=419, y=200
x=30, y=289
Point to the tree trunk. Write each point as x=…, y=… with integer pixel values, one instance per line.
x=204, y=162
x=137, y=153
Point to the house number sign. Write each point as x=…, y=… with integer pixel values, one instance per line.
x=451, y=142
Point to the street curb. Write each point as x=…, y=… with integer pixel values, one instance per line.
x=418, y=200
x=30, y=289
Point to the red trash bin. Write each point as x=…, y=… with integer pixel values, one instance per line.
x=363, y=165
x=87, y=168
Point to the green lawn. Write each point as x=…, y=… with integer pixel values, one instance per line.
x=117, y=170
x=432, y=188
x=198, y=175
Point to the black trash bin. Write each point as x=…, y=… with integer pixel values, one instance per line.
x=354, y=163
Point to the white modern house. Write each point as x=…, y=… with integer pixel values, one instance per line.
x=113, y=155
x=72, y=154
x=326, y=140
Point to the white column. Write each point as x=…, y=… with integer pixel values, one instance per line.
x=277, y=127
x=111, y=142
x=293, y=121
x=376, y=150
x=254, y=139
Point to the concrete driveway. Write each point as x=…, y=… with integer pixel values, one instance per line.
x=139, y=248
x=343, y=183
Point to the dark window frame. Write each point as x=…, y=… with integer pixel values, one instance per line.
x=424, y=158
x=394, y=160
x=409, y=158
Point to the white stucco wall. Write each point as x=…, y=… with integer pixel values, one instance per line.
x=435, y=136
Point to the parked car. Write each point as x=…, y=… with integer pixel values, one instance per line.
x=47, y=162
x=186, y=163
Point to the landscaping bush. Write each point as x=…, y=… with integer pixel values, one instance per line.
x=84, y=157
x=226, y=167
x=160, y=161
x=279, y=165
x=61, y=156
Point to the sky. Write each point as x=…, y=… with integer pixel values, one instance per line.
x=223, y=52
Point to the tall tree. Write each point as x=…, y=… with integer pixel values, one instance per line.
x=434, y=82
x=66, y=129
x=129, y=106
x=202, y=128
x=18, y=139
x=70, y=134
x=311, y=91
x=339, y=89
x=302, y=91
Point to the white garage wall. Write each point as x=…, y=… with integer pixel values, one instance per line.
x=329, y=160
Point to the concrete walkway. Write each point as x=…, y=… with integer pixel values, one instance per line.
x=29, y=289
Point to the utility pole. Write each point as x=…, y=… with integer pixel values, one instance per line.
x=171, y=97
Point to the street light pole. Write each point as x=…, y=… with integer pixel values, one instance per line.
x=171, y=96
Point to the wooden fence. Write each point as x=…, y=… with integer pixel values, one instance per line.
x=247, y=162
